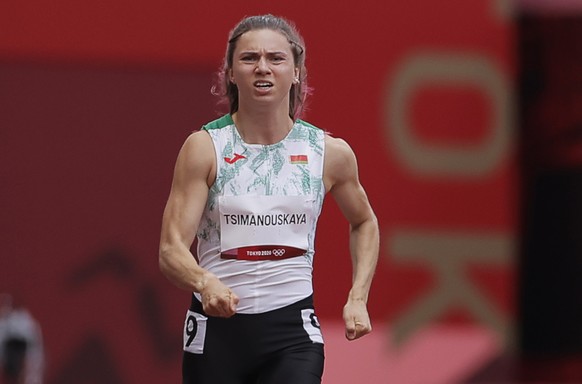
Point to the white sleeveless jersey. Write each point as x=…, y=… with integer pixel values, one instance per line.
x=257, y=232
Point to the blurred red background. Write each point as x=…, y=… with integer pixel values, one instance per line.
x=97, y=98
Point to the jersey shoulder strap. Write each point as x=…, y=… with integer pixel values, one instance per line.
x=221, y=122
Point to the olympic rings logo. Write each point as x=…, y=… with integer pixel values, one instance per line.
x=278, y=252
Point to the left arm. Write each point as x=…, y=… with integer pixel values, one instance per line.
x=341, y=180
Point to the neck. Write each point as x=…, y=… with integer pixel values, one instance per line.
x=262, y=126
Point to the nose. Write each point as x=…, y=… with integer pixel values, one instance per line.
x=262, y=65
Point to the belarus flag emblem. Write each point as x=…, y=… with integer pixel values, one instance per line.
x=298, y=159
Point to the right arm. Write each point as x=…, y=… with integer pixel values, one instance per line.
x=194, y=172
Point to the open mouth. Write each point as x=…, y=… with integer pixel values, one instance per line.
x=263, y=84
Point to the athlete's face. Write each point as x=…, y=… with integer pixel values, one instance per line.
x=263, y=68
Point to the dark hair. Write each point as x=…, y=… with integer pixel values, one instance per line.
x=228, y=91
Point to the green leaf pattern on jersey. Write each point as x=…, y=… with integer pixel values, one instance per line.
x=265, y=170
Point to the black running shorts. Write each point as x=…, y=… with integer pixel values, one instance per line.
x=283, y=346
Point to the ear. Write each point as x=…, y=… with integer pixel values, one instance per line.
x=231, y=76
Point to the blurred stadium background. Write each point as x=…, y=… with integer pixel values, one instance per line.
x=466, y=117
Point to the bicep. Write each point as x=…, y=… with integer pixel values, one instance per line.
x=344, y=184
x=353, y=202
x=189, y=190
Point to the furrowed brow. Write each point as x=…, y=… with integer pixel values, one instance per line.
x=268, y=53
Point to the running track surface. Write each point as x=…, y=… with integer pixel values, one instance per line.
x=436, y=355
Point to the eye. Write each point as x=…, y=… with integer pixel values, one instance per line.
x=248, y=58
x=277, y=59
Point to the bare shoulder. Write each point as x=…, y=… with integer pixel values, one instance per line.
x=197, y=141
x=337, y=150
x=340, y=162
x=196, y=156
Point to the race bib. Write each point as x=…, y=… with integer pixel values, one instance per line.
x=264, y=227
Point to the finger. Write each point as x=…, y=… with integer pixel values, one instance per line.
x=233, y=302
x=217, y=307
x=224, y=306
x=362, y=329
x=210, y=306
x=228, y=304
x=350, y=329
